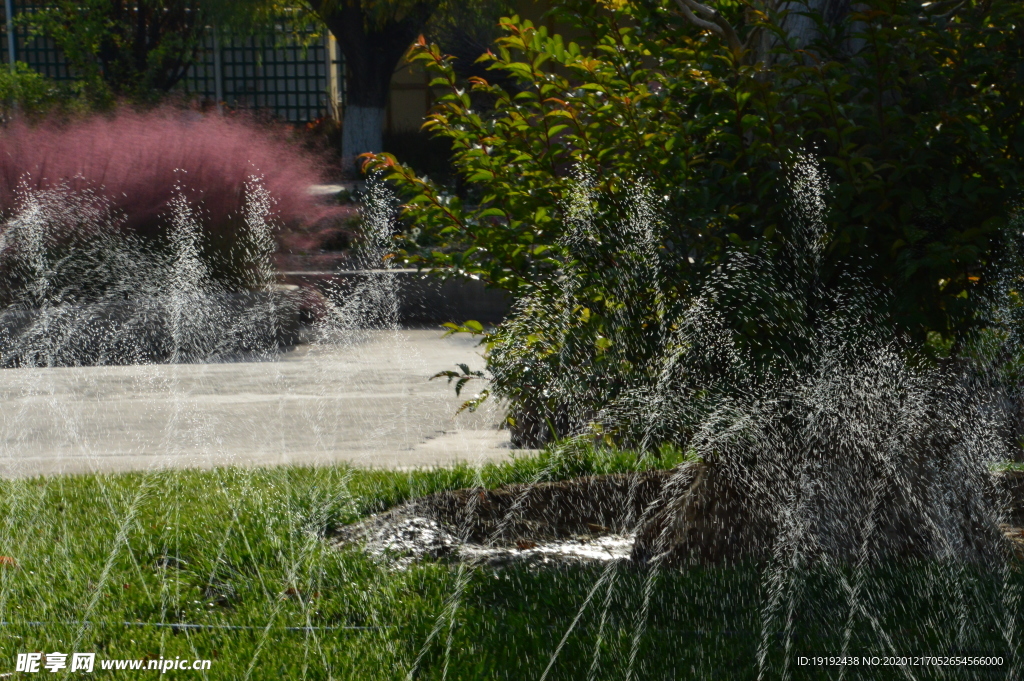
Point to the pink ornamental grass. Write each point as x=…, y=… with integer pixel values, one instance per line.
x=136, y=160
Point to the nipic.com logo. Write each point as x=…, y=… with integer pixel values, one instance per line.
x=86, y=662
x=54, y=662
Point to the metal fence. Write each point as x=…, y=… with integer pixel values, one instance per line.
x=294, y=74
x=273, y=71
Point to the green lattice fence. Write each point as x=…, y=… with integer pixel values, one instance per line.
x=270, y=71
x=294, y=76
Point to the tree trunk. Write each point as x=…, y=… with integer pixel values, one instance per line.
x=372, y=51
x=362, y=130
x=800, y=28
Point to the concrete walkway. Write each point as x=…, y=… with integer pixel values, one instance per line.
x=367, y=401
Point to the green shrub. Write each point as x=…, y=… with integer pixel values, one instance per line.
x=919, y=137
x=26, y=91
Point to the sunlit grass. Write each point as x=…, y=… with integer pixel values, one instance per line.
x=246, y=548
x=107, y=563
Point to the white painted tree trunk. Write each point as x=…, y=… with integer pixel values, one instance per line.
x=799, y=27
x=802, y=29
x=362, y=131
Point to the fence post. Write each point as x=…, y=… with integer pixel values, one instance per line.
x=12, y=53
x=333, y=94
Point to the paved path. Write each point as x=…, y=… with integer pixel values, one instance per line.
x=367, y=402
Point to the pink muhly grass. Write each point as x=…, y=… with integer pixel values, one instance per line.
x=137, y=159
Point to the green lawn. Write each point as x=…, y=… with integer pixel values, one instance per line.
x=246, y=554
